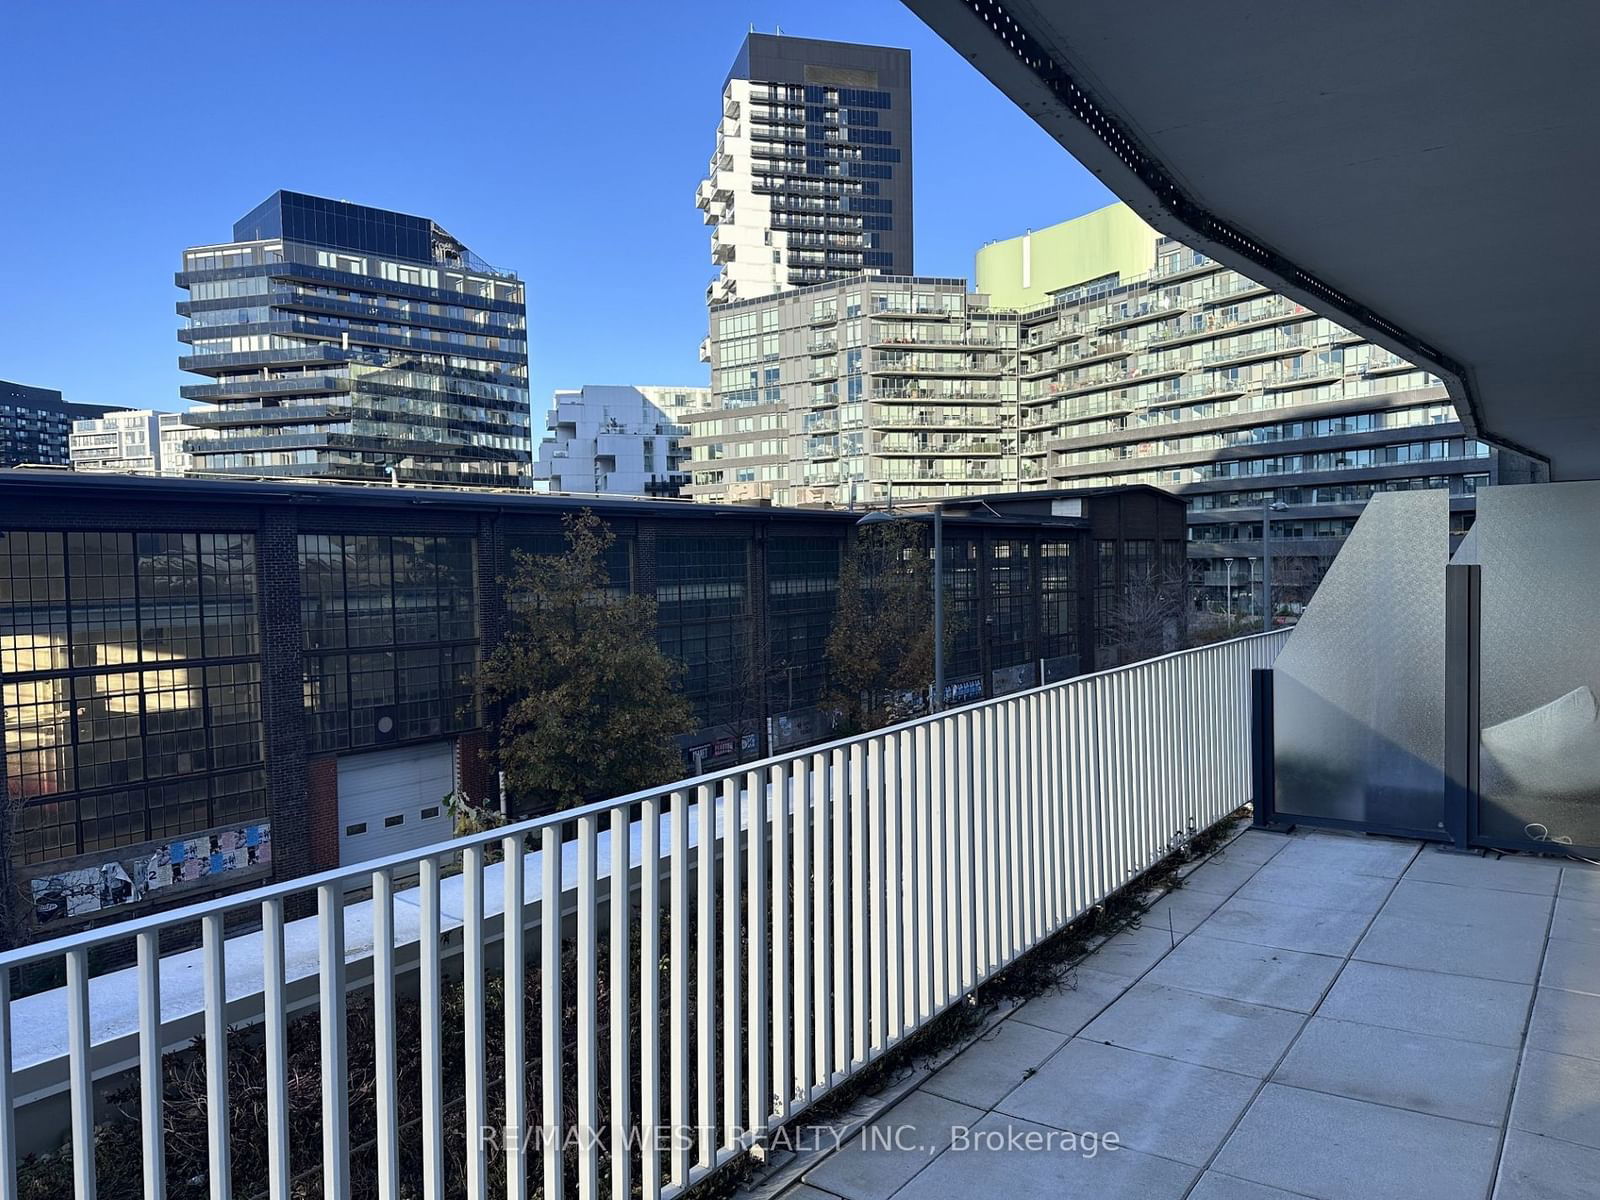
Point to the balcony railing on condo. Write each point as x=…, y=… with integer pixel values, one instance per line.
x=797, y=918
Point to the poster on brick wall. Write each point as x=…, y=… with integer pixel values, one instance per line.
x=84, y=890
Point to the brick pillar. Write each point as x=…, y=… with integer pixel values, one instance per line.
x=494, y=563
x=322, y=815
x=475, y=776
x=644, y=559
x=282, y=696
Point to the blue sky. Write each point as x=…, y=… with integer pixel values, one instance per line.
x=562, y=141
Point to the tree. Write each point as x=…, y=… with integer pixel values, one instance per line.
x=880, y=651
x=1296, y=577
x=748, y=684
x=1147, y=616
x=590, y=703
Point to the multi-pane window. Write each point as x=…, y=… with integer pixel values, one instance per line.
x=1058, y=599
x=400, y=615
x=1105, y=593
x=129, y=659
x=703, y=619
x=617, y=557
x=803, y=590
x=961, y=607
x=1138, y=564
x=1010, y=602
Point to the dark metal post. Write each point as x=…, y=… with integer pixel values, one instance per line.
x=1264, y=784
x=1462, y=719
x=1266, y=569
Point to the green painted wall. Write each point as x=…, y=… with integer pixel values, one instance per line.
x=1087, y=247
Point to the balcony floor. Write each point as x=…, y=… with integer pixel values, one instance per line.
x=1314, y=1015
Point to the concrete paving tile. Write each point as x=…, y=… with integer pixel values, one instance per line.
x=1287, y=926
x=1558, y=1095
x=1474, y=1010
x=1254, y=974
x=1179, y=912
x=1254, y=845
x=1431, y=945
x=1208, y=1030
x=1541, y=1168
x=1513, y=914
x=1565, y=1023
x=1076, y=1001
x=1572, y=965
x=1000, y=1160
x=1358, y=855
x=1342, y=1149
x=1220, y=876
x=1280, y=883
x=1577, y=919
x=879, y=1160
x=1158, y=1105
x=1214, y=1185
x=1580, y=881
x=1130, y=953
x=1465, y=1081
x=1536, y=876
x=994, y=1064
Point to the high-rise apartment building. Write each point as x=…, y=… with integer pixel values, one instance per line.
x=36, y=425
x=621, y=440
x=811, y=176
x=1176, y=371
x=356, y=343
x=849, y=391
x=135, y=440
x=1092, y=353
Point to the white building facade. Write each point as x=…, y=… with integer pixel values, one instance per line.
x=135, y=441
x=619, y=440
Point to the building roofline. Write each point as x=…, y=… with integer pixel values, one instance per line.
x=58, y=483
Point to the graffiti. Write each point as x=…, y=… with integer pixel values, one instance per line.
x=82, y=891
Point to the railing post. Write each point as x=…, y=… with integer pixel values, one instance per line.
x=1462, y=644
x=1263, y=775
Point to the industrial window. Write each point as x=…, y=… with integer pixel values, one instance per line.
x=703, y=619
x=803, y=591
x=961, y=608
x=406, y=606
x=1058, y=598
x=1105, y=592
x=131, y=681
x=1010, y=602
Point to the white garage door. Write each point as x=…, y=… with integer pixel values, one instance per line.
x=391, y=801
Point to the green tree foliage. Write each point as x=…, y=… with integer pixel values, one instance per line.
x=880, y=651
x=590, y=703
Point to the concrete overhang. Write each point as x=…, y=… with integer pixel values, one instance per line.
x=1422, y=171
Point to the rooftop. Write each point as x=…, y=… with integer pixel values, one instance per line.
x=1318, y=1014
x=48, y=482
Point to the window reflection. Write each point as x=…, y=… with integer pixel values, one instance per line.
x=128, y=661
x=406, y=608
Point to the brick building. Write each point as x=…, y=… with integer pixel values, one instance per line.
x=207, y=682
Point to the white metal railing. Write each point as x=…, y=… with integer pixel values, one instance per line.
x=845, y=896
